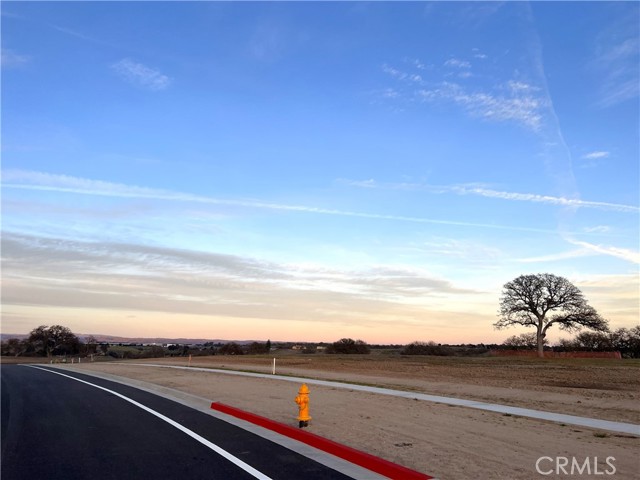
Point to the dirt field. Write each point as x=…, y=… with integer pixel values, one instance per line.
x=444, y=441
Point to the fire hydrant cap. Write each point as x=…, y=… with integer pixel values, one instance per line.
x=304, y=389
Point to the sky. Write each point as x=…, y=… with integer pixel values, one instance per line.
x=310, y=171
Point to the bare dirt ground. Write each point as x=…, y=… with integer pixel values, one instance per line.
x=444, y=441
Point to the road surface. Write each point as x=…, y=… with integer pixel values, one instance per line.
x=54, y=426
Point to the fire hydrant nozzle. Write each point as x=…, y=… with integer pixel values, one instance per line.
x=303, y=405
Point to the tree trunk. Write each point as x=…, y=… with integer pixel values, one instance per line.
x=540, y=344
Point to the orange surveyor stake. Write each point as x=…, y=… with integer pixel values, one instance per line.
x=303, y=405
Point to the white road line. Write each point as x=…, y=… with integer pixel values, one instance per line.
x=247, y=468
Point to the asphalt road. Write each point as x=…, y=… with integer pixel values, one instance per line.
x=55, y=427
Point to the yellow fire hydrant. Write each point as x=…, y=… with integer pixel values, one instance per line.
x=303, y=405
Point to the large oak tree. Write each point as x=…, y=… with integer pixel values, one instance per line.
x=543, y=300
x=54, y=340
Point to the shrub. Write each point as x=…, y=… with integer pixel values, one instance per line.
x=348, y=346
x=230, y=349
x=525, y=341
x=428, y=348
x=155, y=351
x=257, y=348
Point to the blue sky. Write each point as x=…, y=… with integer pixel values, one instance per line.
x=313, y=171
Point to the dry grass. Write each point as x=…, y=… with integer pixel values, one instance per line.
x=527, y=373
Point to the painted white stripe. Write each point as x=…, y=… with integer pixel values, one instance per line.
x=247, y=468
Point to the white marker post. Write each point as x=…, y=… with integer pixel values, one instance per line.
x=189, y=359
x=273, y=371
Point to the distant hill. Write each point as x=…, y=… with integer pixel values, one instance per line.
x=116, y=339
x=7, y=336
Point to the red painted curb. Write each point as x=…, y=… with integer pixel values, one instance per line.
x=370, y=462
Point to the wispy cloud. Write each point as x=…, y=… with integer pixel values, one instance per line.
x=515, y=105
x=510, y=101
x=490, y=193
x=470, y=251
x=89, y=38
x=75, y=33
x=480, y=56
x=555, y=257
x=595, y=155
x=459, y=68
x=618, y=60
x=623, y=253
x=586, y=250
x=267, y=43
x=400, y=75
x=141, y=75
x=124, y=276
x=29, y=180
x=11, y=59
x=417, y=63
x=593, y=159
x=617, y=295
x=456, y=63
x=598, y=229
x=530, y=197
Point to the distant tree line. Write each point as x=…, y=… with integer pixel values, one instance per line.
x=57, y=340
x=60, y=341
x=427, y=348
x=623, y=340
x=254, y=348
x=440, y=350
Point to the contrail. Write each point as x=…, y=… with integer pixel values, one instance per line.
x=135, y=192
